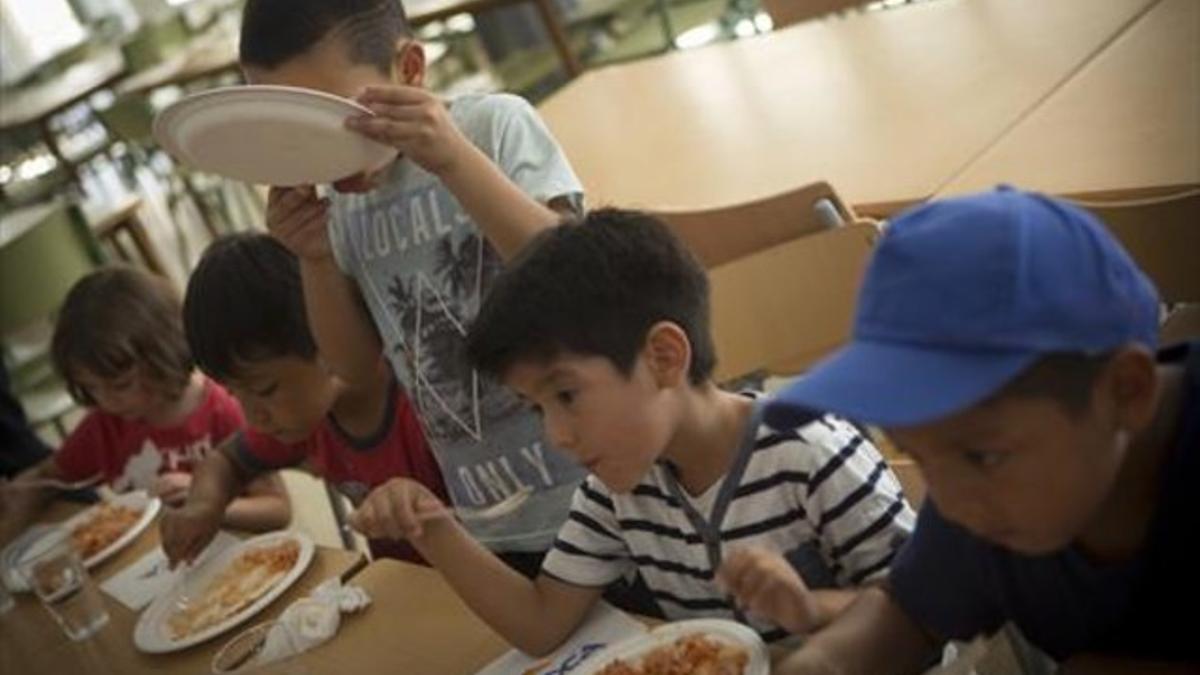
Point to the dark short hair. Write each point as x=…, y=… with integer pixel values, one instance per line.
x=1065, y=378
x=117, y=318
x=244, y=303
x=275, y=31
x=594, y=287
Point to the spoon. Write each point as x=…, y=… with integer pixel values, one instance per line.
x=498, y=510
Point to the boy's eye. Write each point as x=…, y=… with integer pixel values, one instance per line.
x=120, y=385
x=565, y=397
x=536, y=409
x=984, y=459
x=267, y=390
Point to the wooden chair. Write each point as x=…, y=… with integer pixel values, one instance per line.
x=781, y=309
x=788, y=12
x=44, y=250
x=721, y=235
x=121, y=229
x=1163, y=236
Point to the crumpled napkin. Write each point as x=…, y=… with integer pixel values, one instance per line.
x=311, y=621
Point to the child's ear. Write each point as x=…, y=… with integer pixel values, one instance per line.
x=1131, y=380
x=668, y=354
x=408, y=63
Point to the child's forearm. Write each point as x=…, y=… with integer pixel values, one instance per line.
x=533, y=616
x=258, y=514
x=508, y=217
x=339, y=322
x=873, y=636
x=216, y=481
x=830, y=603
x=265, y=506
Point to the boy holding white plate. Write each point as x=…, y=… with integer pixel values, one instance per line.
x=397, y=261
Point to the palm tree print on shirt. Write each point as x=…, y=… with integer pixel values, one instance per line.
x=434, y=315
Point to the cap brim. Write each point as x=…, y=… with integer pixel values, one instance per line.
x=889, y=384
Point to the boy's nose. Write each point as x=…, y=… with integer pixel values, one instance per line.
x=559, y=435
x=258, y=416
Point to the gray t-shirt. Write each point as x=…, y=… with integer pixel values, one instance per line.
x=423, y=267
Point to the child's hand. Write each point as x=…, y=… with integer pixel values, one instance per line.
x=172, y=487
x=390, y=510
x=764, y=583
x=299, y=220
x=188, y=529
x=415, y=122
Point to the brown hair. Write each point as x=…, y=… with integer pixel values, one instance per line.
x=117, y=318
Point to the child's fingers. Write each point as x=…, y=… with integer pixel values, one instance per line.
x=406, y=517
x=756, y=588
x=385, y=525
x=386, y=130
x=301, y=220
x=363, y=519
x=736, y=566
x=413, y=113
x=284, y=218
x=283, y=201
x=394, y=94
x=316, y=217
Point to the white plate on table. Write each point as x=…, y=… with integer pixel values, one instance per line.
x=37, y=537
x=269, y=135
x=151, y=634
x=634, y=649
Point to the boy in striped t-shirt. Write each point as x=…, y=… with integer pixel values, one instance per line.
x=602, y=327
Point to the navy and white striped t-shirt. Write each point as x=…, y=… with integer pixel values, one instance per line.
x=821, y=494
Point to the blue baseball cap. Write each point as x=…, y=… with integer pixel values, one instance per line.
x=962, y=295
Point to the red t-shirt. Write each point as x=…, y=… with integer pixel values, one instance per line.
x=131, y=454
x=354, y=466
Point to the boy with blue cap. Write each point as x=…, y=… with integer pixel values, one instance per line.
x=1006, y=342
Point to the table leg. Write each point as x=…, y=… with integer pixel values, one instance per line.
x=554, y=27
x=114, y=238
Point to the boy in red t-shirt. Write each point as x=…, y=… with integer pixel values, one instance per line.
x=119, y=346
x=246, y=323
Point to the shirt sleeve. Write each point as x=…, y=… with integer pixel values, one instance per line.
x=79, y=456
x=257, y=452
x=854, y=502
x=589, y=550
x=527, y=153
x=938, y=578
x=228, y=417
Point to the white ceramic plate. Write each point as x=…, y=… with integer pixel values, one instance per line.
x=269, y=135
x=721, y=630
x=140, y=500
x=151, y=634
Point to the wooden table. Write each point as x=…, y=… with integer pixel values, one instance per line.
x=30, y=641
x=39, y=103
x=415, y=624
x=884, y=105
x=1126, y=126
x=426, y=11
